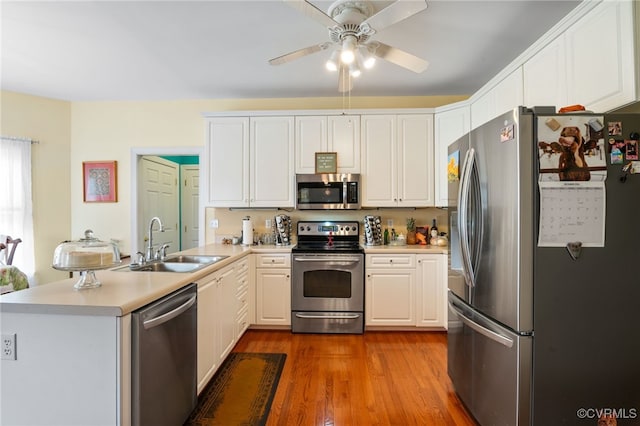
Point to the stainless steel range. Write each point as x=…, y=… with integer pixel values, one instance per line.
x=327, y=285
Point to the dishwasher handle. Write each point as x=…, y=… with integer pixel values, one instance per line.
x=156, y=321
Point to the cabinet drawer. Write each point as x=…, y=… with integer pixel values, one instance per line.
x=242, y=323
x=390, y=261
x=242, y=266
x=273, y=260
x=243, y=301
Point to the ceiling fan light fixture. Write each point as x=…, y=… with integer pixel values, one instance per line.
x=332, y=62
x=368, y=59
x=348, y=54
x=354, y=70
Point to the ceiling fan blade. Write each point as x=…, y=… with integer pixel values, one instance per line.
x=395, y=12
x=296, y=54
x=400, y=57
x=312, y=12
x=345, y=82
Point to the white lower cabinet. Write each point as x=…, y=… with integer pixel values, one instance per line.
x=273, y=289
x=217, y=319
x=431, y=275
x=405, y=290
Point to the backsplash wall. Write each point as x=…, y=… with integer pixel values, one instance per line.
x=230, y=220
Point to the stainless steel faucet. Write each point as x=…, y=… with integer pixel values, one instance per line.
x=150, y=254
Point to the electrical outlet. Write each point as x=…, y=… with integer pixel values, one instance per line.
x=213, y=223
x=390, y=223
x=9, y=346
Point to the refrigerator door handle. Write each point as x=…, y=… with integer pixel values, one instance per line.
x=505, y=341
x=477, y=221
x=463, y=222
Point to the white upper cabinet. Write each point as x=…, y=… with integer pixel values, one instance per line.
x=227, y=165
x=272, y=162
x=506, y=95
x=416, y=177
x=379, y=161
x=591, y=63
x=545, y=76
x=397, y=160
x=311, y=137
x=449, y=126
x=339, y=134
x=600, y=57
x=250, y=161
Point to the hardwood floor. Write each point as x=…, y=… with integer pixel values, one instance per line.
x=378, y=378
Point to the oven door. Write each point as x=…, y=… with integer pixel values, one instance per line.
x=327, y=293
x=328, y=282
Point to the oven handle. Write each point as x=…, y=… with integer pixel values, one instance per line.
x=341, y=316
x=338, y=260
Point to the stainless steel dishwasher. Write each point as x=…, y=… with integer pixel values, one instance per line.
x=163, y=365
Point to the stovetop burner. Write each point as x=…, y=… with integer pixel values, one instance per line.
x=328, y=236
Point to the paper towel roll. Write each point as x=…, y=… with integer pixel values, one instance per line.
x=247, y=232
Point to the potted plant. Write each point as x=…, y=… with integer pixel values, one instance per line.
x=411, y=231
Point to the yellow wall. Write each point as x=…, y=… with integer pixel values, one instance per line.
x=49, y=122
x=89, y=131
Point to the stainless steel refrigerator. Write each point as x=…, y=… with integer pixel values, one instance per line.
x=544, y=276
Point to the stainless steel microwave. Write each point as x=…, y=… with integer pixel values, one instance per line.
x=328, y=191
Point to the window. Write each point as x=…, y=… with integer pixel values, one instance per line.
x=16, y=211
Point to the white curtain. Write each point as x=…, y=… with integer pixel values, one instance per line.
x=16, y=210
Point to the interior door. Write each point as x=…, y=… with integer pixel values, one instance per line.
x=190, y=175
x=159, y=198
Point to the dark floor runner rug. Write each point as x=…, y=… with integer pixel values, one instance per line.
x=241, y=391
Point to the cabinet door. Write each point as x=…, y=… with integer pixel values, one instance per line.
x=207, y=330
x=600, y=57
x=449, y=126
x=430, y=297
x=505, y=95
x=311, y=137
x=379, y=157
x=272, y=162
x=415, y=160
x=344, y=139
x=545, y=76
x=227, y=156
x=227, y=308
x=508, y=94
x=273, y=296
x=389, y=295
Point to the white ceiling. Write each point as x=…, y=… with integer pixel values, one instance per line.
x=167, y=50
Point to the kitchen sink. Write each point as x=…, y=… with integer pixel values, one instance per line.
x=185, y=258
x=180, y=263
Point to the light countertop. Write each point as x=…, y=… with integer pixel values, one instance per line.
x=123, y=292
x=414, y=249
x=120, y=292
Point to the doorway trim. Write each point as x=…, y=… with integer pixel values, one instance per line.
x=138, y=152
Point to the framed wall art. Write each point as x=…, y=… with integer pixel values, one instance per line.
x=100, y=181
x=326, y=162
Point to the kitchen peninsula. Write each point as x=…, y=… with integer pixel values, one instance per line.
x=74, y=347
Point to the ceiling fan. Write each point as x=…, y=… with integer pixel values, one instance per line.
x=351, y=24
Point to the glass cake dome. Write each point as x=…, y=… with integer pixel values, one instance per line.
x=86, y=255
